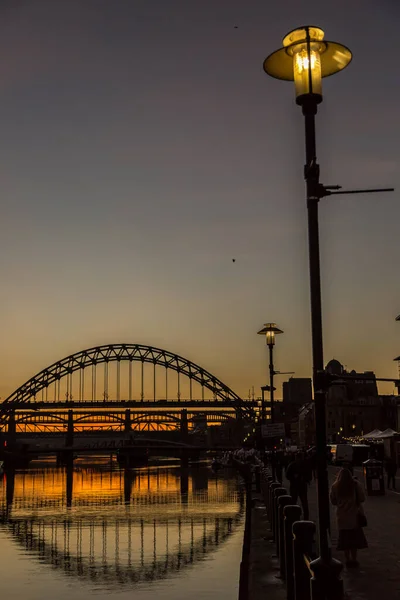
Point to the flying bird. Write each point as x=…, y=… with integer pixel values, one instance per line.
x=233, y=259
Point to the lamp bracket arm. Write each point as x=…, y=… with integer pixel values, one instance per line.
x=326, y=190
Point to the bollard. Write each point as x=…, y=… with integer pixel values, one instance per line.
x=283, y=501
x=303, y=537
x=257, y=479
x=264, y=486
x=268, y=481
x=326, y=583
x=272, y=487
x=291, y=513
x=278, y=492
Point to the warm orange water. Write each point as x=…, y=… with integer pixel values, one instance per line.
x=161, y=531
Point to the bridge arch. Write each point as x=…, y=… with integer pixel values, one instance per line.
x=91, y=357
x=89, y=417
x=154, y=419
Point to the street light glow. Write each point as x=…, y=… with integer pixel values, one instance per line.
x=301, y=67
x=305, y=59
x=270, y=330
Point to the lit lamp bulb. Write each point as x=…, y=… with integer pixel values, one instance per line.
x=270, y=338
x=305, y=59
x=301, y=69
x=305, y=46
x=270, y=330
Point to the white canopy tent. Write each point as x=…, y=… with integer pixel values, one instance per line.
x=372, y=434
x=377, y=434
x=388, y=433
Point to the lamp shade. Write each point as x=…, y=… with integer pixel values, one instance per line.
x=270, y=330
x=305, y=59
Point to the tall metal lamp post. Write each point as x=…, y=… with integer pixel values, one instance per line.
x=270, y=330
x=305, y=59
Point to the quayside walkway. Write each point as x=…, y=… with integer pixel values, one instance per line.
x=379, y=573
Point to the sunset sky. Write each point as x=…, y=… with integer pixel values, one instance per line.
x=143, y=148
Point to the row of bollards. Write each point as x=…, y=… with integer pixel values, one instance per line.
x=294, y=539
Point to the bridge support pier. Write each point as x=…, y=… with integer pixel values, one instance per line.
x=10, y=483
x=11, y=429
x=70, y=478
x=184, y=485
x=184, y=426
x=133, y=457
x=69, y=440
x=128, y=425
x=127, y=485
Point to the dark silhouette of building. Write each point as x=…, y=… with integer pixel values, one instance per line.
x=296, y=393
x=353, y=404
x=354, y=408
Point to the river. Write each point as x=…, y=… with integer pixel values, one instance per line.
x=96, y=530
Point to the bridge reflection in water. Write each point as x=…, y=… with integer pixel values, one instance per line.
x=118, y=528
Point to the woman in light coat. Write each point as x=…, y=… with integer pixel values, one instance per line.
x=348, y=495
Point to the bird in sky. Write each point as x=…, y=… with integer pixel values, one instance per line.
x=233, y=259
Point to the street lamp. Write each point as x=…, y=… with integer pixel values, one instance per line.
x=305, y=59
x=270, y=330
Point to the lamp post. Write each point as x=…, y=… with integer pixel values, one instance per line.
x=305, y=59
x=270, y=330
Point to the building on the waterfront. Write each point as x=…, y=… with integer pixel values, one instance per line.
x=353, y=404
x=354, y=408
x=296, y=392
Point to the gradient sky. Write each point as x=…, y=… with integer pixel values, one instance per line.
x=142, y=148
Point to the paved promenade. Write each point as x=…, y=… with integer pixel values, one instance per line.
x=379, y=574
x=264, y=583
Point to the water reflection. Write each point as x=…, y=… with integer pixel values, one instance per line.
x=119, y=527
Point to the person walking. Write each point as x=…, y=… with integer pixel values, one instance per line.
x=279, y=466
x=391, y=470
x=298, y=474
x=348, y=495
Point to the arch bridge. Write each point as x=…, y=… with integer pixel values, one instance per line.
x=121, y=387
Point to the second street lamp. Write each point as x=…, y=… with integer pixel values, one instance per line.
x=270, y=330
